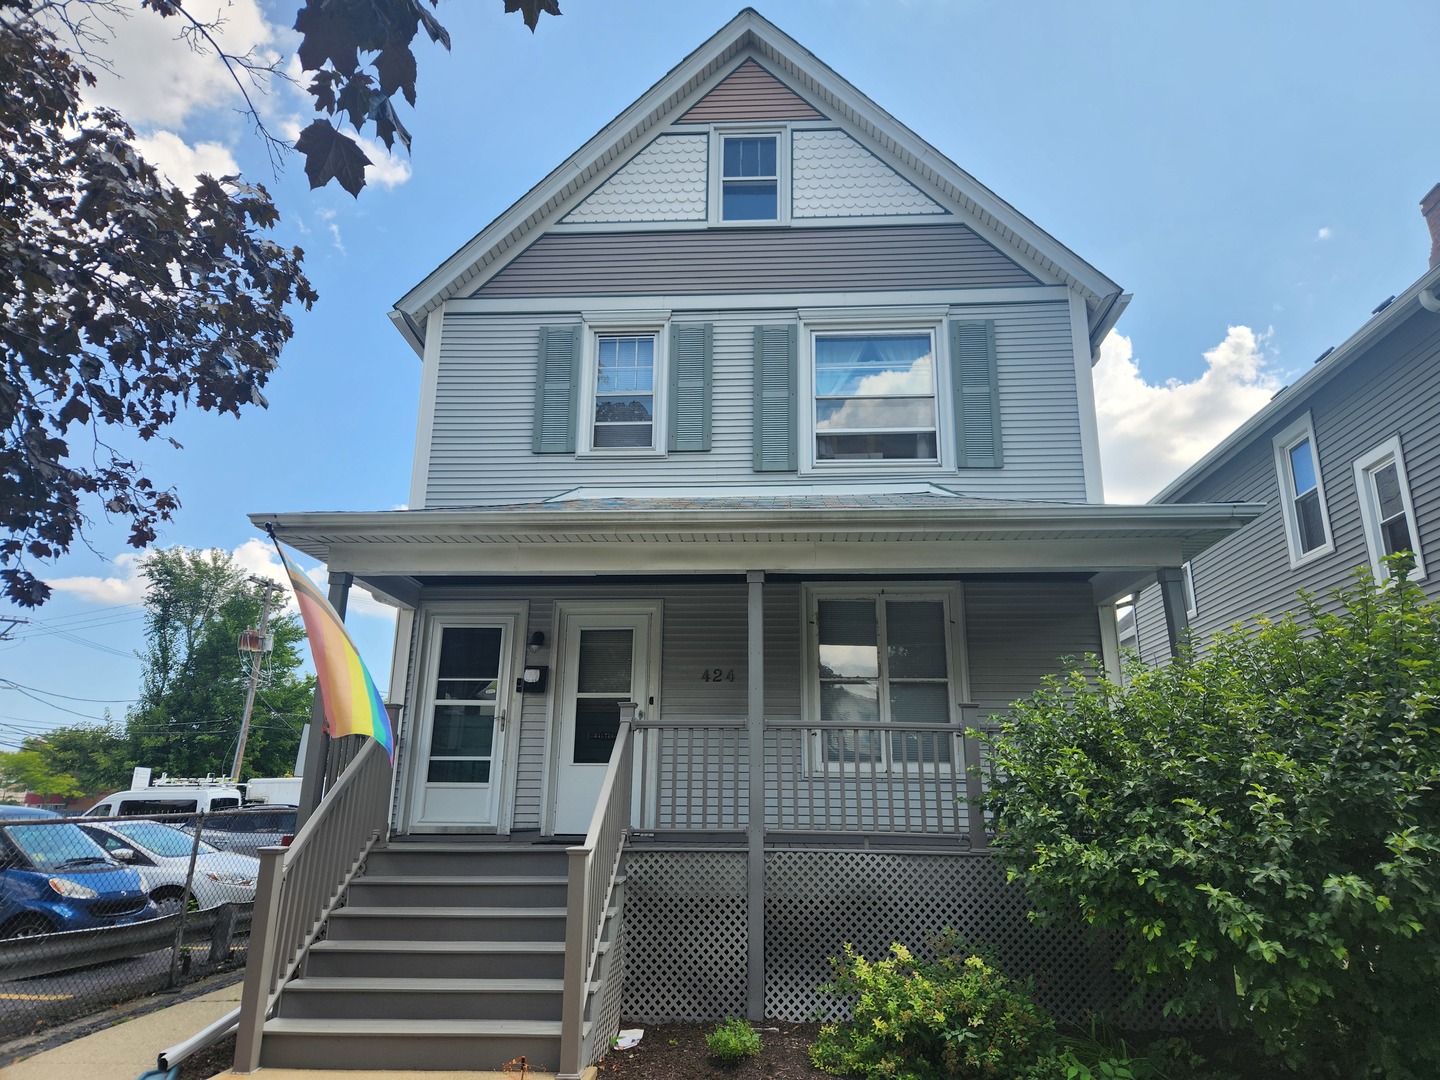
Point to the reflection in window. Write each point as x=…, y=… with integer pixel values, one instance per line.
x=624, y=392
x=1309, y=515
x=875, y=398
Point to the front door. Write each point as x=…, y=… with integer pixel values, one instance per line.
x=461, y=739
x=605, y=659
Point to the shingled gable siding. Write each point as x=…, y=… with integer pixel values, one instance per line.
x=750, y=93
x=1015, y=632
x=1249, y=573
x=481, y=438
x=756, y=260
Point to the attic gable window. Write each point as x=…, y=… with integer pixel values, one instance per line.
x=749, y=177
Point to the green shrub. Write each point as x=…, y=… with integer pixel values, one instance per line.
x=1260, y=822
x=955, y=1016
x=734, y=1040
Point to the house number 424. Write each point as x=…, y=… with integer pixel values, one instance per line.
x=718, y=675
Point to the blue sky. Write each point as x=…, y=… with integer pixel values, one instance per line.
x=1251, y=172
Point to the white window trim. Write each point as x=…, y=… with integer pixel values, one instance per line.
x=876, y=321
x=1366, y=465
x=781, y=134
x=1187, y=577
x=622, y=324
x=1296, y=433
x=955, y=655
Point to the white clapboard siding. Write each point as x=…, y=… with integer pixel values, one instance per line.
x=480, y=446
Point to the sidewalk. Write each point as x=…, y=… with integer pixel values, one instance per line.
x=129, y=1049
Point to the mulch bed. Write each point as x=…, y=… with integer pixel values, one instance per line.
x=673, y=1051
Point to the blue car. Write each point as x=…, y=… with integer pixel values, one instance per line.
x=54, y=877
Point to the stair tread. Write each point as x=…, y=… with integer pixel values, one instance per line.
x=369, y=910
x=440, y=946
x=460, y=879
x=436, y=986
x=336, y=1026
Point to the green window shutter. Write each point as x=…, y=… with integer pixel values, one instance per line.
x=976, y=386
x=774, y=373
x=691, y=349
x=557, y=388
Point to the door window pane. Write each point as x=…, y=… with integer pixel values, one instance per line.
x=458, y=771
x=597, y=724
x=469, y=663
x=462, y=731
x=606, y=661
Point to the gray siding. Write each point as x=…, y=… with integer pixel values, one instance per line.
x=1394, y=390
x=481, y=436
x=750, y=93
x=667, y=263
x=1015, y=633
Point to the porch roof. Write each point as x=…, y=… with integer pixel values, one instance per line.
x=924, y=529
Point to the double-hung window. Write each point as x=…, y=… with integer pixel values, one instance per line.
x=624, y=399
x=750, y=185
x=1302, y=492
x=1386, y=510
x=883, y=659
x=875, y=397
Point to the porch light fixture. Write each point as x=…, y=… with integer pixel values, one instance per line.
x=537, y=641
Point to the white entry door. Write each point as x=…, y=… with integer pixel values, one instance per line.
x=459, y=771
x=605, y=659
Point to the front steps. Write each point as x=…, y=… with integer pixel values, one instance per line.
x=445, y=956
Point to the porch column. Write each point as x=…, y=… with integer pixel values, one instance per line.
x=317, y=745
x=1109, y=642
x=755, y=735
x=1172, y=595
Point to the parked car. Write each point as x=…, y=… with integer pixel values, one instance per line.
x=248, y=830
x=54, y=877
x=162, y=853
x=26, y=813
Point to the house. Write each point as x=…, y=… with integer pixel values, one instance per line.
x=756, y=462
x=1347, y=461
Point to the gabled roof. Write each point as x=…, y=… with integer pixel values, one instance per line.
x=750, y=35
x=1421, y=296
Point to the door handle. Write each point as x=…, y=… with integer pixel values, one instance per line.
x=502, y=719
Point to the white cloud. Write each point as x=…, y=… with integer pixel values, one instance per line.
x=1151, y=433
x=127, y=587
x=1324, y=233
x=181, y=163
x=386, y=169
x=158, y=79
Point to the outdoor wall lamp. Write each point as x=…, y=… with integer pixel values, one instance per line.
x=537, y=641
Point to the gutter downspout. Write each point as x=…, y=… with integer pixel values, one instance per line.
x=172, y=1056
x=1429, y=301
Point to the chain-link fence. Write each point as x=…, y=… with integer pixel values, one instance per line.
x=99, y=911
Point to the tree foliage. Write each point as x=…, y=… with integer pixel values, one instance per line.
x=1260, y=822
x=192, y=692
x=31, y=769
x=123, y=301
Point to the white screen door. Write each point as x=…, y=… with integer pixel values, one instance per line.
x=460, y=753
x=605, y=660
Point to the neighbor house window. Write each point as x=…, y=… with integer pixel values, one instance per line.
x=875, y=397
x=624, y=400
x=883, y=659
x=1385, y=508
x=1302, y=492
x=749, y=178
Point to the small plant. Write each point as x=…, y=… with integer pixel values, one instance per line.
x=734, y=1040
x=955, y=1016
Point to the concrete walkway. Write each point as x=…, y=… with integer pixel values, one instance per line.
x=126, y=1050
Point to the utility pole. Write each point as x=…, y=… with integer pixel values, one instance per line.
x=268, y=591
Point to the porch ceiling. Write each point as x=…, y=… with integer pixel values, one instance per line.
x=1119, y=545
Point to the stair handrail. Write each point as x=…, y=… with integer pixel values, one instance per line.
x=594, y=868
x=300, y=885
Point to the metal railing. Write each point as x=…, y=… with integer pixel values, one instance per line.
x=301, y=885
x=593, y=870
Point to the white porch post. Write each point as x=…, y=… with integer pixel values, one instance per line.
x=317, y=746
x=755, y=735
x=1109, y=641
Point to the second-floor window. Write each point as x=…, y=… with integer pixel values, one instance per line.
x=1302, y=491
x=1385, y=509
x=624, y=392
x=875, y=397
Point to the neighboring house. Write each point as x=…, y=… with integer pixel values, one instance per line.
x=1347, y=461
x=759, y=415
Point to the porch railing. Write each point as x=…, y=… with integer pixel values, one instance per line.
x=898, y=780
x=593, y=870
x=300, y=886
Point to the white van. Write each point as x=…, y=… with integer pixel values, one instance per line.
x=167, y=796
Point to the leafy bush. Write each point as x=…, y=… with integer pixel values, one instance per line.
x=1260, y=822
x=955, y=1016
x=734, y=1040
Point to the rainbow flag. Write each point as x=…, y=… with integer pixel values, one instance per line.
x=347, y=693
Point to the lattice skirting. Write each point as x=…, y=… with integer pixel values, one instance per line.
x=686, y=930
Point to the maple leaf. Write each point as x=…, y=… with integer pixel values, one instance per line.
x=531, y=10
x=332, y=155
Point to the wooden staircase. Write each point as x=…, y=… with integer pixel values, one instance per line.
x=445, y=956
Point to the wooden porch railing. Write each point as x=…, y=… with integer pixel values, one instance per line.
x=300, y=885
x=593, y=870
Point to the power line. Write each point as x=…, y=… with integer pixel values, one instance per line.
x=11, y=683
